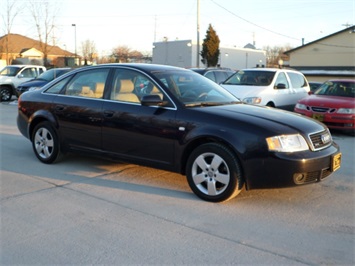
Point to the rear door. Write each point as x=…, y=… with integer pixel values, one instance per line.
x=79, y=109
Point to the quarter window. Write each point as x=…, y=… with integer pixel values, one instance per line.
x=56, y=88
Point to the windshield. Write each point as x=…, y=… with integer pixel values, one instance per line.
x=337, y=88
x=10, y=71
x=51, y=74
x=251, y=77
x=192, y=89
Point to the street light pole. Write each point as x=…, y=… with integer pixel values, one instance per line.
x=74, y=25
x=198, y=35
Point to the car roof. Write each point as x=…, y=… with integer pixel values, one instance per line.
x=341, y=80
x=271, y=69
x=23, y=66
x=141, y=66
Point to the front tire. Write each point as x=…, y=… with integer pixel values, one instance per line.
x=213, y=173
x=5, y=94
x=45, y=143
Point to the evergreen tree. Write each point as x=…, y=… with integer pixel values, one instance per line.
x=210, y=48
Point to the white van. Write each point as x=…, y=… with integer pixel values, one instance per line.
x=280, y=88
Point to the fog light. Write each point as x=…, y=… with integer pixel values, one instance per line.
x=299, y=178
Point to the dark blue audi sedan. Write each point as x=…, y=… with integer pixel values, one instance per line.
x=175, y=119
x=41, y=80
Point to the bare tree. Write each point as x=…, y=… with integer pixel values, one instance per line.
x=43, y=13
x=12, y=10
x=88, y=50
x=121, y=54
x=274, y=54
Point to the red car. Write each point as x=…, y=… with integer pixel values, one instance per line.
x=332, y=103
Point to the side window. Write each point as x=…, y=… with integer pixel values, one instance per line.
x=210, y=75
x=297, y=80
x=89, y=84
x=131, y=86
x=56, y=88
x=281, y=79
x=29, y=72
x=220, y=76
x=40, y=71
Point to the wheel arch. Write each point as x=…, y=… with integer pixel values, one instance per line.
x=39, y=117
x=203, y=140
x=271, y=103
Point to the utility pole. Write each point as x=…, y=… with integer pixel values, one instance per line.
x=198, y=35
x=74, y=25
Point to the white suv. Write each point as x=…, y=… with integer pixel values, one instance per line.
x=280, y=88
x=13, y=75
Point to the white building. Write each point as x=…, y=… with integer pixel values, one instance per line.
x=184, y=54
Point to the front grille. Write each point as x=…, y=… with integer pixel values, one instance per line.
x=320, y=109
x=320, y=140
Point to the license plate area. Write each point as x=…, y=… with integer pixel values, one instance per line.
x=318, y=117
x=336, y=162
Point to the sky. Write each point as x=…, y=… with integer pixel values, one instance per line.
x=137, y=24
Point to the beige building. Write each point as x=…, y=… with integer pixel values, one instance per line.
x=19, y=49
x=330, y=57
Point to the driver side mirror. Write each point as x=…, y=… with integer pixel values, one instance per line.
x=280, y=86
x=152, y=100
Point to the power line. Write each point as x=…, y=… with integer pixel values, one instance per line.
x=252, y=23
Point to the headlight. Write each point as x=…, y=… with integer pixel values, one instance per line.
x=301, y=106
x=349, y=111
x=252, y=100
x=287, y=143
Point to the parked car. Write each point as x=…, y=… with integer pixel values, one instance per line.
x=41, y=80
x=217, y=75
x=314, y=85
x=175, y=119
x=13, y=75
x=273, y=87
x=333, y=104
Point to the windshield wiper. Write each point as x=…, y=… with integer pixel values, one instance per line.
x=210, y=103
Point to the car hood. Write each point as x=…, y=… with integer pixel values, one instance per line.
x=329, y=101
x=6, y=79
x=271, y=120
x=244, y=91
x=33, y=83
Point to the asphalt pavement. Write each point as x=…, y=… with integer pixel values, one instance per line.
x=89, y=211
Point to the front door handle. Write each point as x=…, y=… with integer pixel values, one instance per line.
x=108, y=113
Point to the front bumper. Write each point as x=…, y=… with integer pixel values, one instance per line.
x=292, y=169
x=335, y=121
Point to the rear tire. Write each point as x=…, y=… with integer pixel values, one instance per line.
x=213, y=173
x=45, y=143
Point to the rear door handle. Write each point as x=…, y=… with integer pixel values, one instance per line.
x=59, y=108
